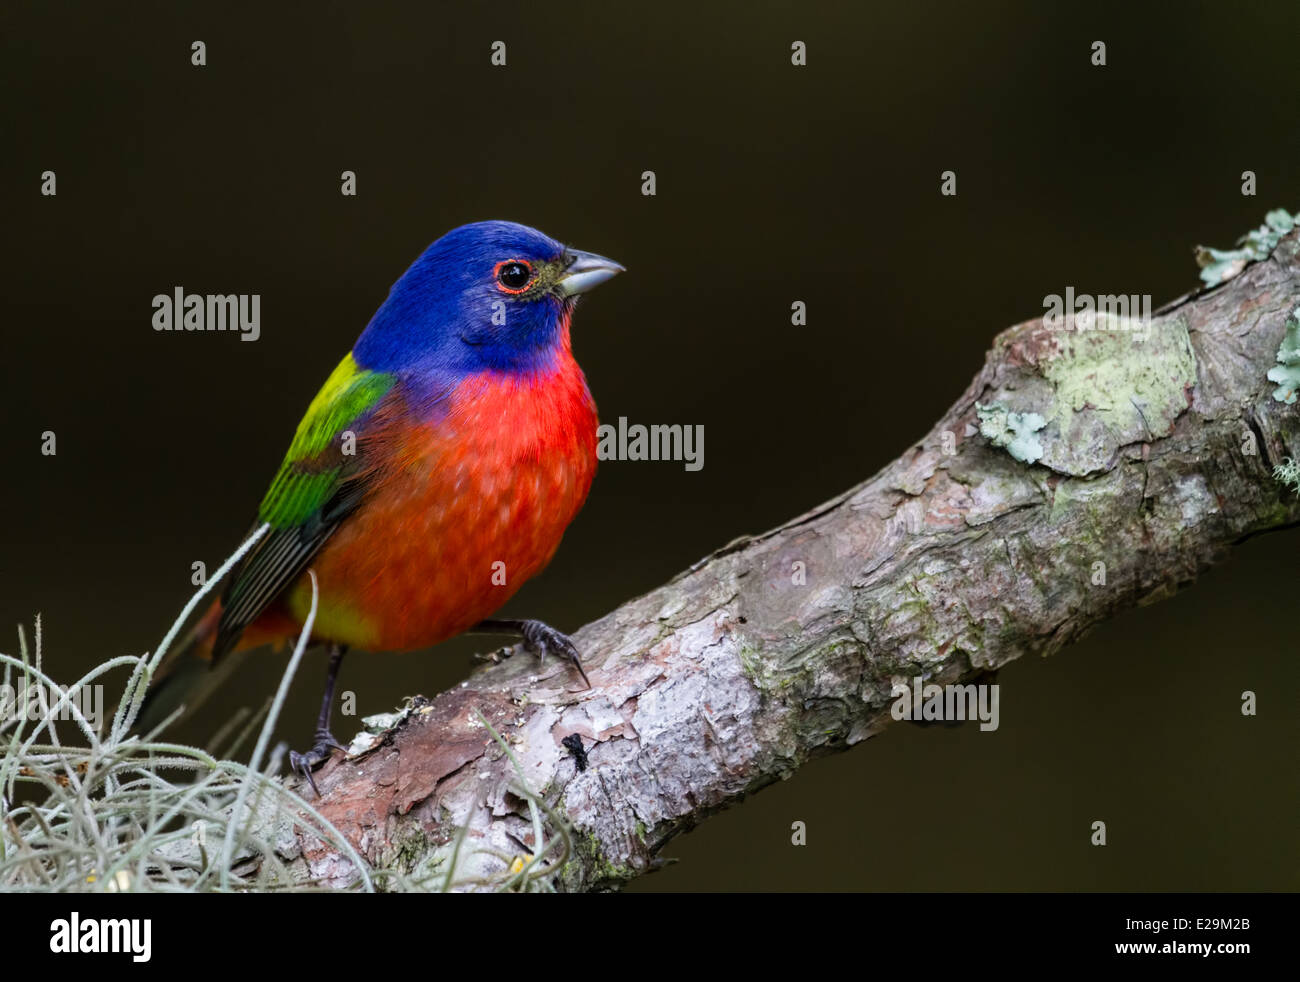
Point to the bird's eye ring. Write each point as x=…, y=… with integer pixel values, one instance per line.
x=514, y=275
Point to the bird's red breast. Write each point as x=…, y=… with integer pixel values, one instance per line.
x=467, y=508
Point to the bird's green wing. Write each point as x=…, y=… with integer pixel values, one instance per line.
x=324, y=477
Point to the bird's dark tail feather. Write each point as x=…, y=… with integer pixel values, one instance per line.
x=187, y=675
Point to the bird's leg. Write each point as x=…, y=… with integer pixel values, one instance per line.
x=539, y=638
x=325, y=742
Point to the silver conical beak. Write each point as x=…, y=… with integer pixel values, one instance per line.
x=585, y=270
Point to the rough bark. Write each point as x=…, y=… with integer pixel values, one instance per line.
x=955, y=558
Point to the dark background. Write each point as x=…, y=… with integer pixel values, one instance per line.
x=775, y=183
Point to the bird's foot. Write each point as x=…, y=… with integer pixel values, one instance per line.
x=542, y=640
x=303, y=764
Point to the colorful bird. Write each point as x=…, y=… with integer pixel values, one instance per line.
x=433, y=474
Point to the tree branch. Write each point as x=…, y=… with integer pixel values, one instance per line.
x=1000, y=534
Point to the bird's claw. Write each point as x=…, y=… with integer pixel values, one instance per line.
x=303, y=764
x=542, y=640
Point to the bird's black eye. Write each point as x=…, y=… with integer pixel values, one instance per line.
x=514, y=275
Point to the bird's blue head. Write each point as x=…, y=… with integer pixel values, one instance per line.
x=491, y=296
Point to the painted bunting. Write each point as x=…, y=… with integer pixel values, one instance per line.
x=433, y=474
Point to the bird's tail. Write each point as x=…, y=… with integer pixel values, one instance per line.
x=187, y=675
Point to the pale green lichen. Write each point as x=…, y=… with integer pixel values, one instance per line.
x=1012, y=431
x=1218, y=265
x=1288, y=472
x=588, y=869
x=753, y=666
x=1287, y=372
x=1137, y=382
